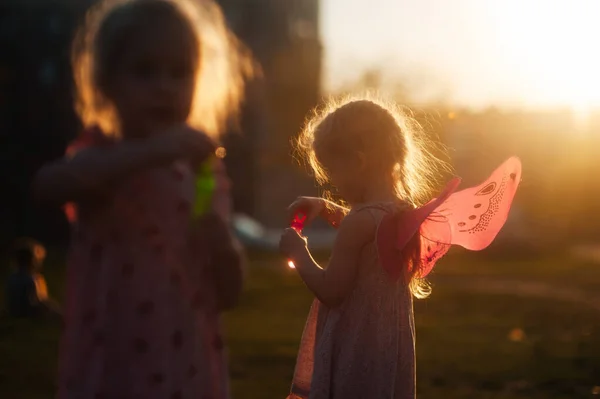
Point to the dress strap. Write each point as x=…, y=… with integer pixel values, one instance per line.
x=375, y=209
x=382, y=206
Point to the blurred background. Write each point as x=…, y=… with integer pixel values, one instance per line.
x=489, y=78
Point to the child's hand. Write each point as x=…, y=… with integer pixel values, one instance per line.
x=211, y=236
x=291, y=243
x=183, y=141
x=311, y=207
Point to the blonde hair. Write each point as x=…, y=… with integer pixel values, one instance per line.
x=223, y=63
x=371, y=125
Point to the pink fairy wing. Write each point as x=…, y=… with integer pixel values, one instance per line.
x=470, y=218
x=396, y=229
x=473, y=216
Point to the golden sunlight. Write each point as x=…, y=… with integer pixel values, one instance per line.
x=529, y=53
x=554, y=47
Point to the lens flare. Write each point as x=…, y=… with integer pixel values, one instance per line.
x=221, y=152
x=291, y=264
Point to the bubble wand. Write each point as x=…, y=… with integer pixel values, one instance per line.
x=205, y=184
x=298, y=225
x=204, y=188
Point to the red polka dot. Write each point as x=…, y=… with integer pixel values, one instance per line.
x=127, y=269
x=140, y=345
x=157, y=378
x=145, y=308
x=197, y=300
x=183, y=206
x=175, y=277
x=177, y=339
x=89, y=317
x=70, y=210
x=159, y=248
x=192, y=371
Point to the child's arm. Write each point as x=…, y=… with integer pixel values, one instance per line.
x=332, y=285
x=93, y=170
x=333, y=213
x=90, y=172
x=228, y=264
x=315, y=206
x=227, y=261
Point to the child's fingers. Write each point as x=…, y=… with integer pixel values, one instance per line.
x=294, y=205
x=289, y=231
x=302, y=205
x=293, y=210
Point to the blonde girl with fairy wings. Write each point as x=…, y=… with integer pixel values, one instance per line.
x=359, y=339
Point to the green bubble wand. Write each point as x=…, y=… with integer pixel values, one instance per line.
x=205, y=184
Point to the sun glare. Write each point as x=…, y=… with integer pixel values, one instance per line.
x=553, y=47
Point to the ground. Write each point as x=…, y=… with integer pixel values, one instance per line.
x=491, y=329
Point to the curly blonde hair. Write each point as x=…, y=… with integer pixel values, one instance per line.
x=370, y=125
x=223, y=63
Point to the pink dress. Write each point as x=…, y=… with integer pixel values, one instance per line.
x=365, y=348
x=141, y=318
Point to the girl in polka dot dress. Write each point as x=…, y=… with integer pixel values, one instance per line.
x=146, y=282
x=359, y=339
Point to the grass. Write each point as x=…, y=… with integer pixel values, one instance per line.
x=463, y=345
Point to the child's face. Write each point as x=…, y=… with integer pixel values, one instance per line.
x=346, y=177
x=154, y=86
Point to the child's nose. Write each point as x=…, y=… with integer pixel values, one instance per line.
x=165, y=85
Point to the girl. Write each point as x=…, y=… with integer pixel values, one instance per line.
x=359, y=339
x=146, y=285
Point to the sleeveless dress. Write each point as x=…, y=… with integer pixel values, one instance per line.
x=140, y=318
x=365, y=348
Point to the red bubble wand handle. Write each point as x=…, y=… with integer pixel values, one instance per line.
x=298, y=225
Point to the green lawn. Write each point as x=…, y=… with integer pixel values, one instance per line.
x=463, y=345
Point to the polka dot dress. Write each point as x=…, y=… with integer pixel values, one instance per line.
x=141, y=319
x=364, y=348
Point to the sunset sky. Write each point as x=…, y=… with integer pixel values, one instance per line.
x=530, y=53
